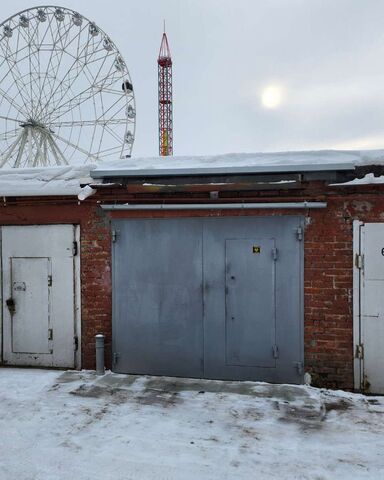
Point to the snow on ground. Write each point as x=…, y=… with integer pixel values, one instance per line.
x=74, y=425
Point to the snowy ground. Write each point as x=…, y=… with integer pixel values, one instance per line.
x=74, y=425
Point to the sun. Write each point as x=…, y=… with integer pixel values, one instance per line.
x=271, y=96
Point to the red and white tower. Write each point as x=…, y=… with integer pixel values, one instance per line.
x=165, y=98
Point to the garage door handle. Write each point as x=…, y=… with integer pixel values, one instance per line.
x=11, y=305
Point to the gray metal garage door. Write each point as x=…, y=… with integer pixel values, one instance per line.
x=209, y=297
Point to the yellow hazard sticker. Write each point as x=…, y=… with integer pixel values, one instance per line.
x=256, y=249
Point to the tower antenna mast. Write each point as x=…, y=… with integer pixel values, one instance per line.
x=165, y=98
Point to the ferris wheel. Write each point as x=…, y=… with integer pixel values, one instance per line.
x=66, y=95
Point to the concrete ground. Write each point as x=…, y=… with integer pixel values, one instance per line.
x=60, y=425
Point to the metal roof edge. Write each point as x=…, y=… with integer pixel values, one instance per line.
x=215, y=206
x=36, y=194
x=164, y=172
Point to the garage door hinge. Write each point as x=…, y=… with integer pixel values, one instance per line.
x=274, y=253
x=115, y=234
x=74, y=249
x=75, y=343
x=299, y=233
x=275, y=351
x=299, y=367
x=359, y=353
x=49, y=280
x=359, y=261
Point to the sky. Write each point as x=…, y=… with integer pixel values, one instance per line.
x=251, y=75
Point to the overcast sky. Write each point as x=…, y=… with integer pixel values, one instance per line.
x=324, y=60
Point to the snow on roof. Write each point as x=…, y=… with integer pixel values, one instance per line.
x=368, y=179
x=64, y=180
x=266, y=162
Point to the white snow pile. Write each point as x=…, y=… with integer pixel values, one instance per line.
x=368, y=179
x=300, y=158
x=64, y=180
x=58, y=425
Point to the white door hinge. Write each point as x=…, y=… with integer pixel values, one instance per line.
x=299, y=233
x=359, y=352
x=274, y=253
x=359, y=261
x=115, y=234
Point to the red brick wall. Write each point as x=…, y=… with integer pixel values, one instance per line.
x=327, y=278
x=96, y=284
x=328, y=262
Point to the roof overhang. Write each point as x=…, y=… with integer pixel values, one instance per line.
x=254, y=177
x=220, y=171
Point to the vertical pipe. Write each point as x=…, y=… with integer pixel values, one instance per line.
x=100, y=369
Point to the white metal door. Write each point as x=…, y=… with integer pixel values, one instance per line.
x=370, y=347
x=30, y=292
x=38, y=295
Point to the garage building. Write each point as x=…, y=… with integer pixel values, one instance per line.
x=244, y=267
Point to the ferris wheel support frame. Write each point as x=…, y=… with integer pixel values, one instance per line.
x=58, y=65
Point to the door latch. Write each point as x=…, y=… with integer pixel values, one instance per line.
x=50, y=334
x=11, y=305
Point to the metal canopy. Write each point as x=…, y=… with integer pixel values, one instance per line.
x=212, y=171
